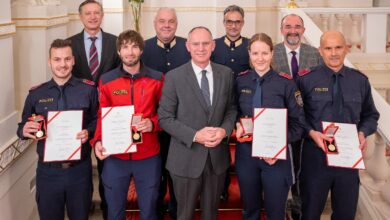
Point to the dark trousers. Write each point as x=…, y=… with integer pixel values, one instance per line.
x=317, y=179
x=117, y=175
x=58, y=188
x=295, y=191
x=208, y=186
x=103, y=204
x=166, y=180
x=256, y=177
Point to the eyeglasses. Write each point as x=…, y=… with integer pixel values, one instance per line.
x=231, y=22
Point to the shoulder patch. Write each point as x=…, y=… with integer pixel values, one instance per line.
x=243, y=73
x=36, y=87
x=88, y=82
x=285, y=75
x=304, y=72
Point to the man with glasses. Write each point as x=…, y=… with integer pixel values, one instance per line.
x=231, y=50
x=291, y=56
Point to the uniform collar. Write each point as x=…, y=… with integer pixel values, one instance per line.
x=330, y=71
x=266, y=76
x=72, y=81
x=237, y=42
x=165, y=46
x=142, y=72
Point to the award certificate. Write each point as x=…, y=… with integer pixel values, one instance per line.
x=349, y=154
x=61, y=143
x=270, y=133
x=116, y=130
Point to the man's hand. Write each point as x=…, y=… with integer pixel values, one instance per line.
x=219, y=135
x=83, y=136
x=30, y=128
x=319, y=138
x=362, y=141
x=145, y=125
x=99, y=149
x=205, y=134
x=239, y=131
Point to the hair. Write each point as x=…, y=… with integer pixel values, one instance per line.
x=60, y=43
x=292, y=15
x=233, y=8
x=165, y=9
x=262, y=37
x=200, y=27
x=89, y=2
x=129, y=36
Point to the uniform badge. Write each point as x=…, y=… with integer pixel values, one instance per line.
x=298, y=98
x=46, y=100
x=246, y=91
x=321, y=89
x=120, y=92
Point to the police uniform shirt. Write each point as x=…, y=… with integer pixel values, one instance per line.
x=165, y=57
x=79, y=95
x=277, y=92
x=232, y=54
x=358, y=106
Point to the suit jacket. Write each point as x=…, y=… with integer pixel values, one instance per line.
x=109, y=57
x=308, y=57
x=183, y=110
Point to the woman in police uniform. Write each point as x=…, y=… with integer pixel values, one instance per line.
x=263, y=87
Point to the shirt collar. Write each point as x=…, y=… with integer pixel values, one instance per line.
x=99, y=35
x=266, y=76
x=198, y=70
x=162, y=45
x=141, y=73
x=237, y=42
x=330, y=71
x=72, y=81
x=298, y=49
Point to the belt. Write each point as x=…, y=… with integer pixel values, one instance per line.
x=61, y=165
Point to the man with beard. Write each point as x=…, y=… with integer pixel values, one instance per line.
x=165, y=52
x=65, y=183
x=131, y=83
x=291, y=56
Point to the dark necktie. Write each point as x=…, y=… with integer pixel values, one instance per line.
x=204, y=86
x=232, y=44
x=167, y=46
x=257, y=97
x=337, y=98
x=294, y=64
x=61, y=103
x=93, y=58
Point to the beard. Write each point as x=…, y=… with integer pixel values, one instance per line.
x=131, y=63
x=293, y=39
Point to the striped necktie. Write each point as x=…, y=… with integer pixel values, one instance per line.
x=93, y=58
x=204, y=86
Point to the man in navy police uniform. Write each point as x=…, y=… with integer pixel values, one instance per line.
x=231, y=50
x=335, y=93
x=64, y=183
x=165, y=52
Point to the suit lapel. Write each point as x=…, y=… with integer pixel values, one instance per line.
x=302, y=57
x=105, y=49
x=83, y=52
x=285, y=67
x=193, y=82
x=217, y=79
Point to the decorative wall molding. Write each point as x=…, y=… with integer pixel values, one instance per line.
x=7, y=29
x=41, y=22
x=11, y=153
x=208, y=9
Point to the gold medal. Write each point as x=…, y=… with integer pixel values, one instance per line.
x=39, y=134
x=136, y=136
x=331, y=147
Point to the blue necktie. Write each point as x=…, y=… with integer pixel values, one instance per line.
x=204, y=86
x=61, y=103
x=337, y=98
x=294, y=64
x=257, y=97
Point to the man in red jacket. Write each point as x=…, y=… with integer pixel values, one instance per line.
x=141, y=87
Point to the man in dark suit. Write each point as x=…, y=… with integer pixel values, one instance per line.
x=93, y=42
x=163, y=53
x=291, y=56
x=197, y=109
x=95, y=53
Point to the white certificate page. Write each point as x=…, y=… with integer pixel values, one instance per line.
x=270, y=133
x=116, y=130
x=349, y=154
x=62, y=128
